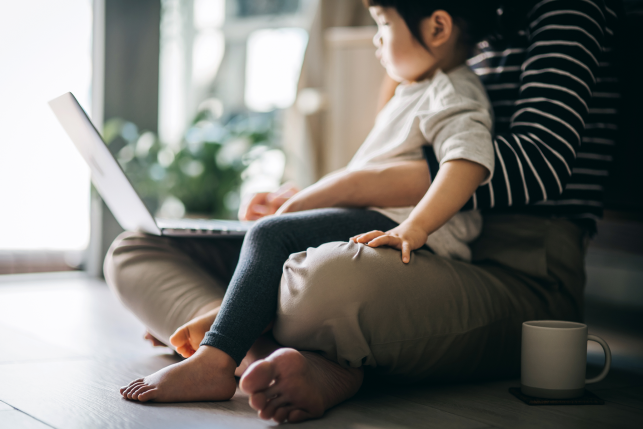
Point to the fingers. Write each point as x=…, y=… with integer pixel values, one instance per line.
x=276, y=199
x=274, y=203
x=285, y=191
x=263, y=204
x=254, y=207
x=394, y=238
x=257, y=212
x=406, y=252
x=394, y=242
x=366, y=237
x=386, y=240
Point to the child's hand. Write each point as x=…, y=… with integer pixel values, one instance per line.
x=405, y=237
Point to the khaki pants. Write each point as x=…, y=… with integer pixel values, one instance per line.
x=432, y=319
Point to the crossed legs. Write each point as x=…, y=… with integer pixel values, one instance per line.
x=250, y=303
x=432, y=319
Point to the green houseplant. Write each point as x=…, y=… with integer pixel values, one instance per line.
x=202, y=174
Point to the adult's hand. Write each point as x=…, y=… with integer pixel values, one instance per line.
x=266, y=203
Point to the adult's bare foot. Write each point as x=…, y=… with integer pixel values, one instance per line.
x=261, y=349
x=297, y=386
x=206, y=376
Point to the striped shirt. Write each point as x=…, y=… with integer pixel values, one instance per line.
x=555, y=95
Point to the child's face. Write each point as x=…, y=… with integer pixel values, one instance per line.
x=399, y=52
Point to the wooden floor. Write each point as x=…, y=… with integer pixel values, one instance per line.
x=66, y=345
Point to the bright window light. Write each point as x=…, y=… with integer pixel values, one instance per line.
x=209, y=47
x=209, y=14
x=44, y=183
x=274, y=59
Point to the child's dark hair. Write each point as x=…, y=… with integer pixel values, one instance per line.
x=476, y=18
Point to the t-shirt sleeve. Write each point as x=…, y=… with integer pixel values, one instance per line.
x=459, y=128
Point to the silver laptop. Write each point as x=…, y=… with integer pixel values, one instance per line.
x=115, y=188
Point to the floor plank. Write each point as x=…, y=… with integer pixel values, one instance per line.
x=492, y=404
x=632, y=397
x=84, y=393
x=19, y=346
x=14, y=419
x=77, y=314
x=378, y=403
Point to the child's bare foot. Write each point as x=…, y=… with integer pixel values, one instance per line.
x=296, y=386
x=207, y=376
x=187, y=338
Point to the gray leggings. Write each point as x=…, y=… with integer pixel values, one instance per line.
x=250, y=302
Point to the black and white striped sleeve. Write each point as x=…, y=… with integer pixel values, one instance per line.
x=535, y=158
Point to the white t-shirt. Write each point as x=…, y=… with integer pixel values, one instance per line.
x=452, y=113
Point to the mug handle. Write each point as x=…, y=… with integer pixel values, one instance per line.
x=608, y=359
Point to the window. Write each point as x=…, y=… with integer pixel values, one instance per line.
x=227, y=70
x=44, y=196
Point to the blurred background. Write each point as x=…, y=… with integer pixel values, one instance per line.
x=200, y=101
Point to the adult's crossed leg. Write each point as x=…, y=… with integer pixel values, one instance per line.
x=433, y=318
x=164, y=281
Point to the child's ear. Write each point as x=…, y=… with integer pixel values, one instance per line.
x=437, y=29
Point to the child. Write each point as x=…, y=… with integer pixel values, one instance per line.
x=440, y=102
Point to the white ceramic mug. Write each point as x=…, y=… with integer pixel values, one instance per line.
x=554, y=359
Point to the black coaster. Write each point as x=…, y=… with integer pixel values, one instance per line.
x=587, y=399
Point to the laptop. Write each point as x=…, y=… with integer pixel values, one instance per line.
x=116, y=189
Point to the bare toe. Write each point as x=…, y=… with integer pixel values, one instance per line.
x=261, y=399
x=139, y=390
x=258, y=400
x=296, y=416
x=269, y=410
x=257, y=377
x=148, y=395
x=124, y=388
x=281, y=414
x=130, y=392
x=131, y=388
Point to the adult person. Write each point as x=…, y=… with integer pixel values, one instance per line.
x=552, y=85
